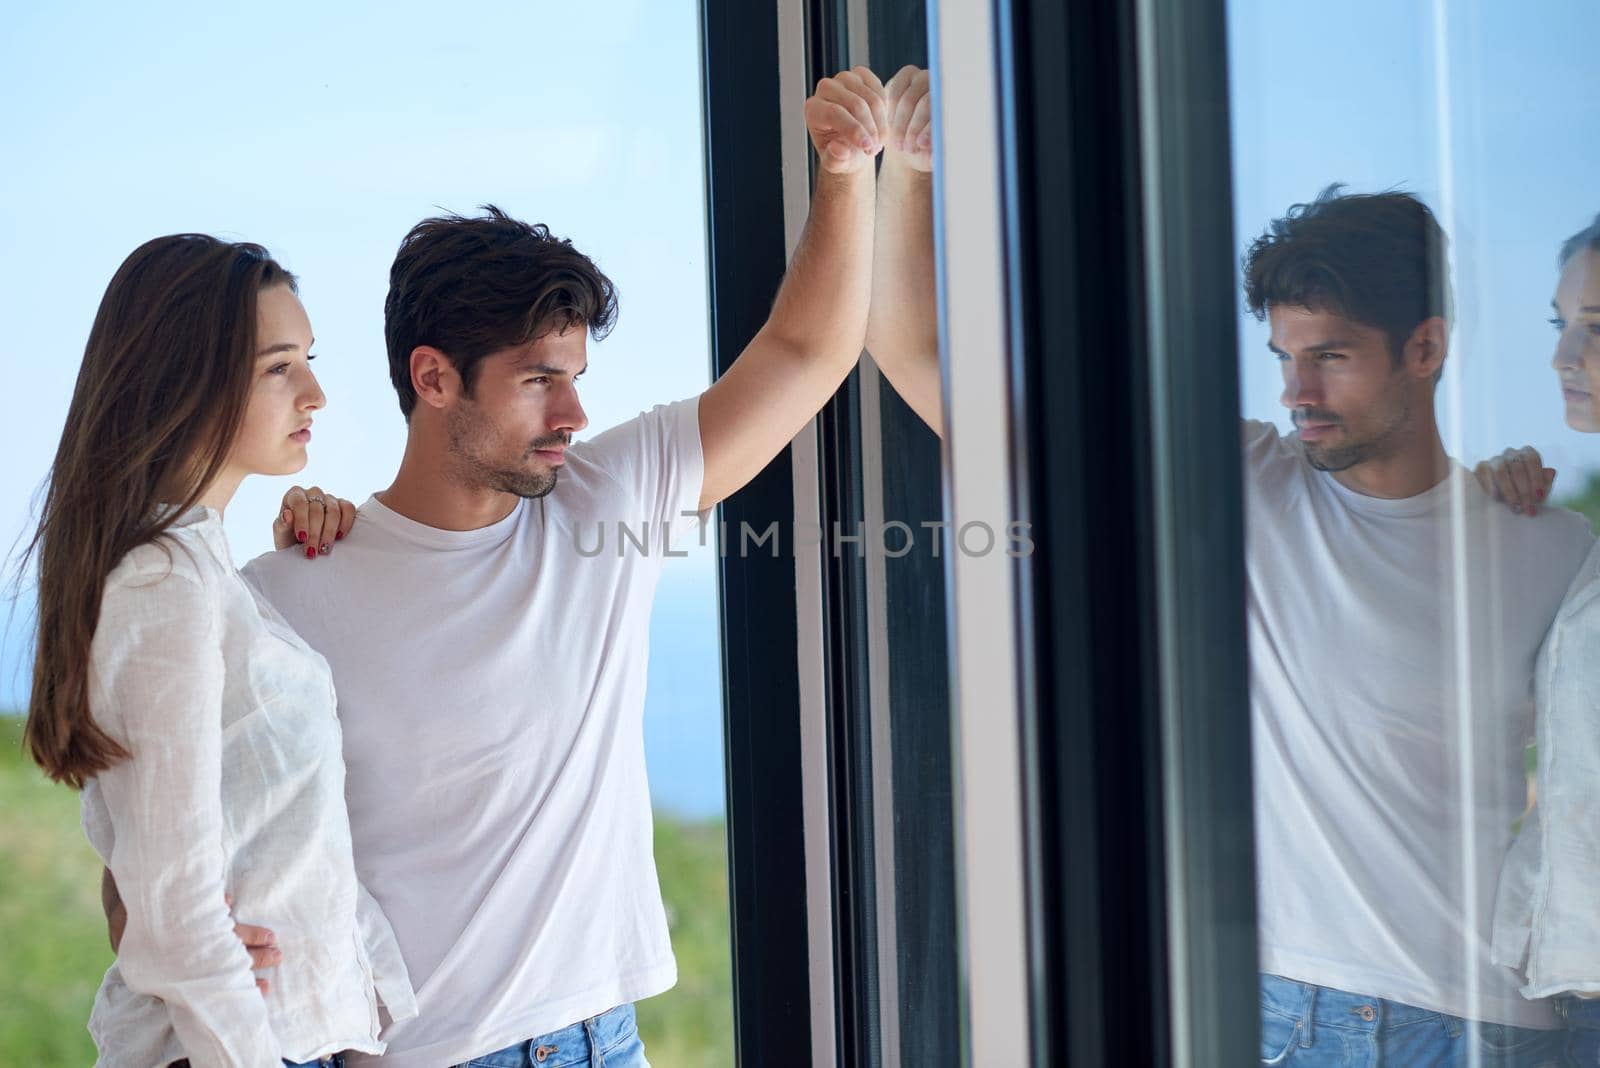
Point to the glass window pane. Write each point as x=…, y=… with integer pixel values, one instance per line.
x=1408, y=179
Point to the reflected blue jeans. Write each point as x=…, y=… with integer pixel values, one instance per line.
x=610, y=1040
x=1583, y=1030
x=1308, y=1026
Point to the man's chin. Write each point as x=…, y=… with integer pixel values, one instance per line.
x=531, y=487
x=1332, y=460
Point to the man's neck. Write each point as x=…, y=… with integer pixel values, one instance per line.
x=424, y=493
x=1419, y=465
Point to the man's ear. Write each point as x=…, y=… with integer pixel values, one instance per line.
x=433, y=376
x=1427, y=347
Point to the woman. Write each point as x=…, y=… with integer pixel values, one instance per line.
x=1547, y=916
x=199, y=727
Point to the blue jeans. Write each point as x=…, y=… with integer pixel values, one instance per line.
x=610, y=1040
x=1308, y=1026
x=1583, y=1030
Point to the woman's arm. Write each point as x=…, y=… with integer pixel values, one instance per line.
x=158, y=680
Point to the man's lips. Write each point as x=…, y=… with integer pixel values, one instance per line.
x=1574, y=395
x=1313, y=431
x=551, y=456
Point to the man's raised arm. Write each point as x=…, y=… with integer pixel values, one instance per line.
x=819, y=320
x=903, y=327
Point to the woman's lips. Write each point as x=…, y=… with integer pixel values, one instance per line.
x=1576, y=396
x=302, y=436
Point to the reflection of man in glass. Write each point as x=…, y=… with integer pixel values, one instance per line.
x=1547, y=917
x=1394, y=614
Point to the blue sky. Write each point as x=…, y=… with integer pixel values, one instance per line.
x=1349, y=92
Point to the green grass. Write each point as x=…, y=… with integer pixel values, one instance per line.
x=53, y=947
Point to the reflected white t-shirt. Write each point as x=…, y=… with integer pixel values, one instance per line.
x=491, y=688
x=1391, y=666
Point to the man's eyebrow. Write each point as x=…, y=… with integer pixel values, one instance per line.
x=285, y=346
x=1590, y=308
x=1321, y=346
x=546, y=368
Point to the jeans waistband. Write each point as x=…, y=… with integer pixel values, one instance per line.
x=1321, y=1006
x=1580, y=1014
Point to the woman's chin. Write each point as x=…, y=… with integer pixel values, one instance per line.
x=1583, y=420
x=291, y=465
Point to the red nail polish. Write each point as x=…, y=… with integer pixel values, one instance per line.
x=311, y=550
x=300, y=534
x=337, y=535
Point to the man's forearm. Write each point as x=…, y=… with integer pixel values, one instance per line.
x=821, y=307
x=903, y=325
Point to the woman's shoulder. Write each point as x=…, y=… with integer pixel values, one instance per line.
x=177, y=563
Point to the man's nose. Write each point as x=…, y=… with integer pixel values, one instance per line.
x=570, y=415
x=1301, y=387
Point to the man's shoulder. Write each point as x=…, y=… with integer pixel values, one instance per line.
x=624, y=441
x=1554, y=539
x=286, y=575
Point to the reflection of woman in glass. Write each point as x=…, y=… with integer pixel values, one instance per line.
x=1547, y=917
x=200, y=728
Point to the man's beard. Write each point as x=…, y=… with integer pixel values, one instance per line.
x=469, y=441
x=1380, y=445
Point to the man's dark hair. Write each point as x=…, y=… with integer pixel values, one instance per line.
x=1377, y=258
x=473, y=286
x=1585, y=240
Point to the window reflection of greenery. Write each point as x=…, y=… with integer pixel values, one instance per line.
x=1585, y=501
x=53, y=947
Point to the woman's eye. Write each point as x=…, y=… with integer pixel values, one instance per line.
x=1559, y=324
x=278, y=369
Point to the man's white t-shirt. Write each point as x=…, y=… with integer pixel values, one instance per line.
x=1392, y=645
x=491, y=690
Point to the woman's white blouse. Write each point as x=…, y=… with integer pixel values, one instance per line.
x=235, y=786
x=1547, y=915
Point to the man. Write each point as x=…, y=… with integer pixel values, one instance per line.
x=1394, y=615
x=490, y=665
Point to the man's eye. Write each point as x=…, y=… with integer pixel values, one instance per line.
x=1330, y=355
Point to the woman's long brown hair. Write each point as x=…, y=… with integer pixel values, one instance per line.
x=160, y=397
